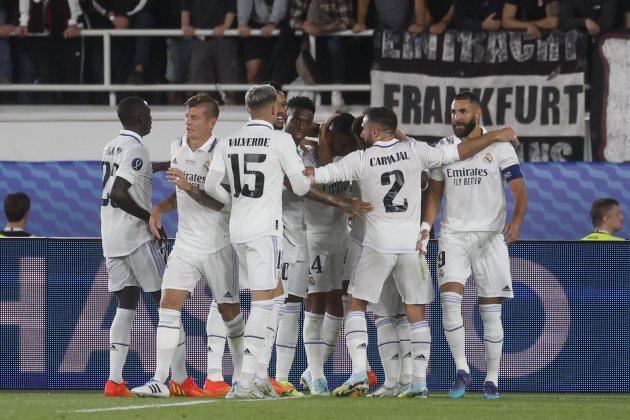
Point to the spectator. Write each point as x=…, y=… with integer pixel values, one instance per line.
x=607, y=219
x=8, y=13
x=625, y=9
x=16, y=209
x=323, y=17
x=393, y=14
x=212, y=59
x=127, y=14
x=593, y=16
x=265, y=15
x=441, y=14
x=177, y=50
x=531, y=16
x=471, y=15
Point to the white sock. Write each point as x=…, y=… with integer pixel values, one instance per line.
x=254, y=340
x=356, y=340
x=313, y=344
x=421, y=350
x=178, y=365
x=330, y=334
x=492, y=339
x=119, y=339
x=406, y=358
x=454, y=328
x=167, y=337
x=215, y=333
x=277, y=312
x=388, y=349
x=235, y=332
x=286, y=339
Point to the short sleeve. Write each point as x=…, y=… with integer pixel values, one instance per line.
x=508, y=156
x=218, y=159
x=133, y=163
x=289, y=159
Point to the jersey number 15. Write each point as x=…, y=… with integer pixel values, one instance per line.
x=259, y=177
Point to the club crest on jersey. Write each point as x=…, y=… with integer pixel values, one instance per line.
x=488, y=158
x=441, y=273
x=206, y=165
x=311, y=280
x=136, y=164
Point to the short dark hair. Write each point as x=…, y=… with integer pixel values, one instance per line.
x=205, y=100
x=260, y=96
x=342, y=124
x=277, y=86
x=16, y=205
x=130, y=109
x=303, y=102
x=600, y=208
x=385, y=118
x=467, y=95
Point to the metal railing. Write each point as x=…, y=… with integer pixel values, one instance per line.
x=108, y=86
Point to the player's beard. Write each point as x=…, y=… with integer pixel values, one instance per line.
x=466, y=130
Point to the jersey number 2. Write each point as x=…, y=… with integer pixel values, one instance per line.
x=259, y=180
x=388, y=200
x=109, y=171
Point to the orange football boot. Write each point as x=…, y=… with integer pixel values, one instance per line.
x=217, y=388
x=112, y=389
x=188, y=389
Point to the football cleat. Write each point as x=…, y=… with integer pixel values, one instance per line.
x=306, y=380
x=490, y=391
x=241, y=393
x=288, y=390
x=414, y=391
x=384, y=391
x=372, y=381
x=357, y=382
x=153, y=388
x=320, y=388
x=112, y=389
x=265, y=386
x=216, y=388
x=188, y=388
x=462, y=381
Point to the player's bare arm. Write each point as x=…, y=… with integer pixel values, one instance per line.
x=512, y=228
x=352, y=206
x=475, y=145
x=121, y=196
x=430, y=209
x=178, y=177
x=160, y=166
x=164, y=206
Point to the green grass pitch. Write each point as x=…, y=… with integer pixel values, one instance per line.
x=92, y=405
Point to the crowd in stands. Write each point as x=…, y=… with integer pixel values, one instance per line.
x=61, y=55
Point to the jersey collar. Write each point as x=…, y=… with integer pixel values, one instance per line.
x=254, y=123
x=206, y=147
x=129, y=133
x=387, y=143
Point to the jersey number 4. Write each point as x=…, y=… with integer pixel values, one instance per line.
x=109, y=171
x=388, y=200
x=259, y=177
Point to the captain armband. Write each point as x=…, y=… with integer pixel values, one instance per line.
x=512, y=172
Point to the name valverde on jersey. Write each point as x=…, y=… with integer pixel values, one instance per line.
x=256, y=159
x=200, y=230
x=389, y=175
x=125, y=157
x=473, y=188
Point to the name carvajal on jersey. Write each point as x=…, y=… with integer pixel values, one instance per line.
x=388, y=160
x=466, y=176
x=252, y=141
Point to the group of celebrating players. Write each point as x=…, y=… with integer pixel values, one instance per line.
x=267, y=209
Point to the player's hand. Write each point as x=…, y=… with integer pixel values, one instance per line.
x=161, y=243
x=423, y=244
x=155, y=223
x=354, y=206
x=511, y=231
x=309, y=171
x=507, y=134
x=178, y=177
x=307, y=145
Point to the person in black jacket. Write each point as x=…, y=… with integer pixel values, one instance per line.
x=474, y=15
x=592, y=16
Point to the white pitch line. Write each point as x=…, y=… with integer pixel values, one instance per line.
x=140, y=407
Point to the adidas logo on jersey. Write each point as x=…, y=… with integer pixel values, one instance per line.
x=407, y=356
x=246, y=352
x=113, y=347
x=362, y=346
x=507, y=289
x=210, y=350
x=227, y=295
x=395, y=357
x=420, y=357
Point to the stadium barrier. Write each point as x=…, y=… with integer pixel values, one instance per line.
x=567, y=328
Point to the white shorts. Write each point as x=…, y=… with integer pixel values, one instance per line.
x=326, y=265
x=261, y=260
x=390, y=303
x=410, y=272
x=484, y=254
x=142, y=268
x=294, y=267
x=352, y=257
x=220, y=269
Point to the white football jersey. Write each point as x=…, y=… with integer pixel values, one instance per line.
x=256, y=159
x=389, y=175
x=128, y=158
x=357, y=225
x=473, y=188
x=323, y=220
x=199, y=229
x=293, y=207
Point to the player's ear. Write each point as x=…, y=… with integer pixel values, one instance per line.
x=274, y=109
